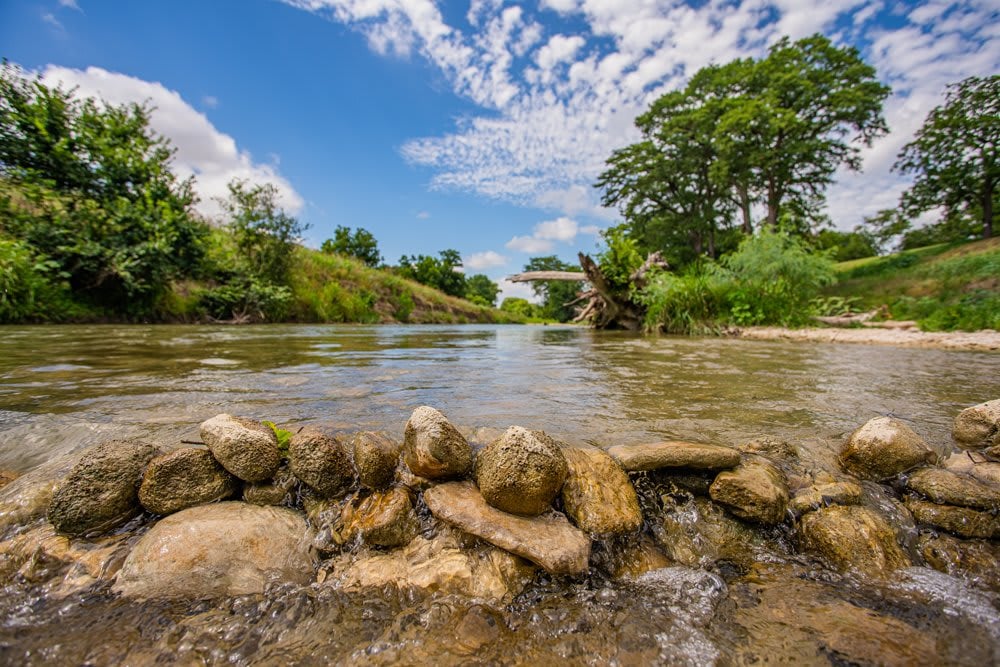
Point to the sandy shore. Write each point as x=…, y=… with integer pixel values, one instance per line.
x=983, y=341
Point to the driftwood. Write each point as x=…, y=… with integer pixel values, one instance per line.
x=864, y=319
x=532, y=276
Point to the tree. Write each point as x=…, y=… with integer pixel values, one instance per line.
x=554, y=294
x=361, y=244
x=481, y=290
x=845, y=246
x=440, y=272
x=954, y=157
x=520, y=307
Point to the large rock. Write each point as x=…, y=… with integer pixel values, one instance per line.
x=962, y=463
x=974, y=559
x=224, y=549
x=949, y=488
x=375, y=457
x=958, y=520
x=433, y=448
x=102, y=491
x=852, y=537
x=756, y=490
x=384, y=518
x=979, y=426
x=244, y=447
x=820, y=495
x=550, y=540
x=322, y=461
x=675, y=455
x=598, y=496
x=521, y=472
x=883, y=448
x=184, y=478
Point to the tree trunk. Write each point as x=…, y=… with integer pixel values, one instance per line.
x=745, y=208
x=772, y=206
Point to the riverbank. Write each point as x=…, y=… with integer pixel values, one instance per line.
x=980, y=341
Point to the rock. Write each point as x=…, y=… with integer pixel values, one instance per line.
x=949, y=488
x=974, y=559
x=598, y=496
x=771, y=447
x=883, y=448
x=27, y=498
x=637, y=558
x=852, y=537
x=375, y=457
x=521, y=472
x=755, y=490
x=963, y=463
x=322, y=461
x=218, y=550
x=102, y=491
x=675, y=455
x=7, y=476
x=244, y=447
x=384, y=518
x=962, y=521
x=184, y=478
x=433, y=448
x=992, y=453
x=549, y=540
x=979, y=426
x=279, y=490
x=821, y=495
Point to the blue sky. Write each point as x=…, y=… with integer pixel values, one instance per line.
x=473, y=125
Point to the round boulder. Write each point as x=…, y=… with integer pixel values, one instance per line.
x=979, y=426
x=101, y=492
x=521, y=472
x=244, y=447
x=883, y=448
x=433, y=448
x=375, y=456
x=321, y=461
x=853, y=537
x=184, y=478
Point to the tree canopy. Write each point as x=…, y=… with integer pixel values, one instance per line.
x=555, y=294
x=440, y=272
x=360, y=244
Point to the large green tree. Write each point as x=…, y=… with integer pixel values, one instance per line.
x=440, y=272
x=360, y=244
x=481, y=290
x=954, y=157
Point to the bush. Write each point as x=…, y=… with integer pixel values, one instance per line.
x=692, y=303
x=27, y=291
x=251, y=299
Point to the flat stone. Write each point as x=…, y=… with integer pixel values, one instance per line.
x=756, y=490
x=521, y=472
x=852, y=537
x=383, y=518
x=949, y=488
x=549, y=540
x=375, y=457
x=433, y=448
x=598, y=496
x=821, y=495
x=673, y=454
x=223, y=549
x=961, y=521
x=883, y=448
x=967, y=463
x=979, y=426
x=244, y=447
x=321, y=461
x=184, y=478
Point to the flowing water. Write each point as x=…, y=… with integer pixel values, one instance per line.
x=64, y=388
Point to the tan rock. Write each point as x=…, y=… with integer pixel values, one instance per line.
x=771, y=447
x=7, y=476
x=883, y=448
x=756, y=490
x=184, y=478
x=548, y=540
x=968, y=463
x=974, y=559
x=433, y=448
x=321, y=461
x=598, y=496
x=384, y=518
x=852, y=537
x=42, y=556
x=821, y=495
x=637, y=558
x=279, y=490
x=961, y=521
x=978, y=427
x=521, y=472
x=674, y=454
x=244, y=447
x=949, y=488
x=375, y=457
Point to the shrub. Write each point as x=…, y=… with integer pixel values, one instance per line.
x=692, y=303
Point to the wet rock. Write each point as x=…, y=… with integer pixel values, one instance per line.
x=244, y=447
x=184, y=478
x=852, y=537
x=675, y=455
x=598, y=496
x=821, y=495
x=224, y=549
x=101, y=492
x=967, y=463
x=771, y=447
x=978, y=427
x=375, y=457
x=549, y=540
x=521, y=472
x=637, y=558
x=433, y=448
x=415, y=483
x=883, y=448
x=755, y=490
x=7, y=476
x=27, y=498
x=992, y=453
x=322, y=461
x=978, y=560
x=384, y=518
x=949, y=488
x=279, y=490
x=961, y=521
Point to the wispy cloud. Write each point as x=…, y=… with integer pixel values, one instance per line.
x=70, y=4
x=210, y=101
x=484, y=260
x=50, y=19
x=423, y=215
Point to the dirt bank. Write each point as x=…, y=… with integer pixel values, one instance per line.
x=983, y=341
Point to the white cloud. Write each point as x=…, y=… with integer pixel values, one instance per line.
x=484, y=260
x=70, y=4
x=49, y=17
x=210, y=101
x=529, y=244
x=423, y=215
x=204, y=152
x=560, y=229
x=516, y=290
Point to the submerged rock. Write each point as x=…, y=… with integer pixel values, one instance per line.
x=279, y=490
x=883, y=448
x=521, y=472
x=978, y=560
x=949, y=488
x=433, y=448
x=675, y=455
x=184, y=478
x=756, y=491
x=821, y=495
x=637, y=558
x=384, y=518
x=852, y=537
x=771, y=447
x=27, y=497
x=101, y=492
x=375, y=457
x=244, y=447
x=978, y=427
x=224, y=549
x=321, y=461
x=598, y=496
x=958, y=520
x=7, y=476
x=549, y=540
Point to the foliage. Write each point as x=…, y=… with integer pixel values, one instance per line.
x=520, y=307
x=26, y=289
x=438, y=272
x=479, y=289
x=246, y=298
x=845, y=246
x=284, y=437
x=953, y=228
x=555, y=294
x=885, y=226
x=954, y=156
x=620, y=259
x=361, y=244
x=693, y=302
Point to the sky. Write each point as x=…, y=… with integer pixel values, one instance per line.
x=479, y=126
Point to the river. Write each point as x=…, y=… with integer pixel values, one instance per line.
x=66, y=387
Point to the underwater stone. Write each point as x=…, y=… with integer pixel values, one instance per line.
x=949, y=488
x=521, y=472
x=384, y=519
x=821, y=495
x=184, y=478
x=883, y=448
x=244, y=447
x=278, y=490
x=322, y=461
x=961, y=521
x=433, y=448
x=852, y=537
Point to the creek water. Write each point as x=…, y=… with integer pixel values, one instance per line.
x=64, y=388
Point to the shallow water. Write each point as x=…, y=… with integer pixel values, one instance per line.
x=63, y=388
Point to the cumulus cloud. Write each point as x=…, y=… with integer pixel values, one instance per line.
x=484, y=260
x=204, y=152
x=529, y=244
